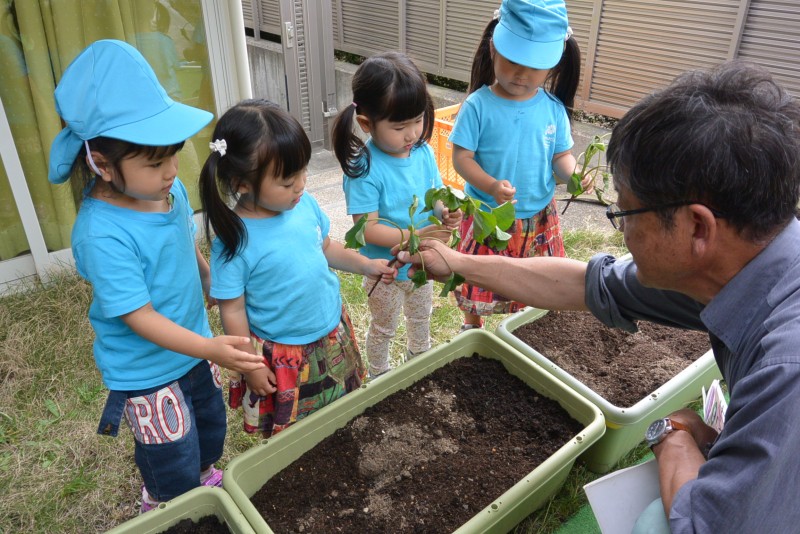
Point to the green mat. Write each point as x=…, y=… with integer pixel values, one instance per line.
x=581, y=523
x=584, y=522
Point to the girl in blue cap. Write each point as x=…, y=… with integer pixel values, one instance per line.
x=512, y=134
x=133, y=240
x=271, y=266
x=390, y=103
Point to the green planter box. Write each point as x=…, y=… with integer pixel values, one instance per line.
x=247, y=473
x=194, y=505
x=625, y=426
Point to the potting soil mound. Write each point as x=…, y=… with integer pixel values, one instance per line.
x=621, y=367
x=425, y=459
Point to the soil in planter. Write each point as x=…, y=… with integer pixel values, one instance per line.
x=209, y=524
x=425, y=459
x=621, y=367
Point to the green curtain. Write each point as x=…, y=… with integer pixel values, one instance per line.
x=38, y=40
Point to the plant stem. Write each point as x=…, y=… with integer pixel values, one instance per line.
x=378, y=281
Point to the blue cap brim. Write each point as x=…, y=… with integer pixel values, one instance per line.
x=533, y=54
x=173, y=125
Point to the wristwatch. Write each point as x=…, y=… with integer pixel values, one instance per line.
x=659, y=429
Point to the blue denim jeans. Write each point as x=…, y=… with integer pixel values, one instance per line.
x=179, y=428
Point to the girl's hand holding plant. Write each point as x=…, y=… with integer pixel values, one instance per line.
x=451, y=220
x=380, y=270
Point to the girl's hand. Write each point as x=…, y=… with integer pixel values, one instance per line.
x=451, y=221
x=224, y=353
x=502, y=191
x=379, y=269
x=587, y=184
x=262, y=382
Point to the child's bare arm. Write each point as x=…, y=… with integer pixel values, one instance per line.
x=233, y=315
x=464, y=163
x=156, y=328
x=387, y=236
x=348, y=260
x=205, y=277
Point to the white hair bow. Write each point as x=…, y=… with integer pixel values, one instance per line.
x=218, y=145
x=496, y=14
x=569, y=33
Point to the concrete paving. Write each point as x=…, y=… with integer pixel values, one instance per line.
x=325, y=183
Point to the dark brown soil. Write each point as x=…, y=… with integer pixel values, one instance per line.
x=621, y=367
x=205, y=525
x=424, y=460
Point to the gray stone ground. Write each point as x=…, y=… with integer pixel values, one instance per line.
x=325, y=183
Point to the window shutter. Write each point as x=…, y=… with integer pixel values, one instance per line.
x=771, y=38
x=643, y=45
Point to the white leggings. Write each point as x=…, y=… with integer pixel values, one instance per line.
x=384, y=306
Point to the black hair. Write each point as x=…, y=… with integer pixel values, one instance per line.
x=562, y=81
x=261, y=138
x=728, y=137
x=385, y=87
x=114, y=151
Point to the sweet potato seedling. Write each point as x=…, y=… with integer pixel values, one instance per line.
x=489, y=226
x=589, y=164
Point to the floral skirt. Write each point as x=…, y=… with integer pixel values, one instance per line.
x=308, y=377
x=539, y=235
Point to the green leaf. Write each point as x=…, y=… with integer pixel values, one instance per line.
x=505, y=214
x=412, y=209
x=420, y=278
x=433, y=220
x=451, y=284
x=354, y=238
x=483, y=225
x=430, y=199
x=574, y=187
x=501, y=235
x=412, y=246
x=455, y=239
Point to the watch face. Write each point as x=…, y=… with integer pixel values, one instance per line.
x=655, y=430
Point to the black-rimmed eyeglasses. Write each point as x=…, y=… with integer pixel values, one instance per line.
x=613, y=212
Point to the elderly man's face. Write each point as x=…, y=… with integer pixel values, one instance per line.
x=661, y=254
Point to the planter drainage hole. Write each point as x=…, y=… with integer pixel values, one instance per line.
x=579, y=439
x=162, y=505
x=495, y=507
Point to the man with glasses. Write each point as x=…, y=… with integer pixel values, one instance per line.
x=708, y=173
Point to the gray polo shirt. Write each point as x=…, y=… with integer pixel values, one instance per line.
x=751, y=482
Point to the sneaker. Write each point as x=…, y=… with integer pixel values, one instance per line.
x=213, y=478
x=147, y=502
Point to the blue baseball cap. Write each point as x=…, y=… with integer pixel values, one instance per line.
x=109, y=90
x=532, y=32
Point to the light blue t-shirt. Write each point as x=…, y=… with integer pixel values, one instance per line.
x=291, y=295
x=389, y=189
x=132, y=258
x=514, y=141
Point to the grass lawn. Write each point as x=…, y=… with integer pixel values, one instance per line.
x=58, y=475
